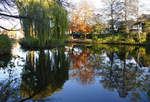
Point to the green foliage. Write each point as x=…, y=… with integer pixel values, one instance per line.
x=115, y=48
x=34, y=43
x=95, y=37
x=104, y=40
x=148, y=93
x=48, y=20
x=97, y=29
x=4, y=60
x=60, y=21
x=138, y=38
x=132, y=38
x=5, y=44
x=2, y=63
x=29, y=41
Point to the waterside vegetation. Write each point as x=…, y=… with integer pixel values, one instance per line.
x=48, y=25
x=5, y=45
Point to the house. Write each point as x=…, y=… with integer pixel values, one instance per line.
x=139, y=26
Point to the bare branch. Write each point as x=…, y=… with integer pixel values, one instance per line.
x=9, y=29
x=16, y=16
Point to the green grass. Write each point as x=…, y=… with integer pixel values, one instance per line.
x=5, y=44
x=122, y=39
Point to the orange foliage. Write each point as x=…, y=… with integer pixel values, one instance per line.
x=82, y=69
x=81, y=17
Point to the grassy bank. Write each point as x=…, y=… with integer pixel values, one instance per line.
x=115, y=39
x=79, y=41
x=129, y=39
x=5, y=45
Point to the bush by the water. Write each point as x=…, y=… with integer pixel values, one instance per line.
x=34, y=43
x=5, y=44
x=120, y=38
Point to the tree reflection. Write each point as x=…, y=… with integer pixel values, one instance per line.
x=44, y=73
x=4, y=60
x=8, y=91
x=124, y=71
x=9, y=81
x=83, y=71
x=121, y=69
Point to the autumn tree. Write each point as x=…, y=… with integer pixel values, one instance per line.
x=81, y=18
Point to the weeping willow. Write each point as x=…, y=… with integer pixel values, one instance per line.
x=48, y=19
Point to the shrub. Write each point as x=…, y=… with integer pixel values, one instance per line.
x=5, y=44
x=29, y=42
x=34, y=43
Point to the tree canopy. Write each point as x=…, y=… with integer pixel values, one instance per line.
x=49, y=19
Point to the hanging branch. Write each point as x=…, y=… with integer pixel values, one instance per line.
x=16, y=16
x=9, y=29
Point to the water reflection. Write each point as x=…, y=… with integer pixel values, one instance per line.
x=124, y=70
x=44, y=73
x=121, y=71
x=4, y=60
x=9, y=78
x=121, y=68
x=80, y=65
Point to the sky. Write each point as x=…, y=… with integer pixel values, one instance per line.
x=97, y=4
x=146, y=5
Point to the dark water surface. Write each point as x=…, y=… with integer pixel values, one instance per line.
x=76, y=73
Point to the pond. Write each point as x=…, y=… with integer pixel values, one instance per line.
x=76, y=73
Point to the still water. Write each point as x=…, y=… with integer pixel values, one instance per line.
x=76, y=73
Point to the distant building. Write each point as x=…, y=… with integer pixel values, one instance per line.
x=142, y=20
x=137, y=26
